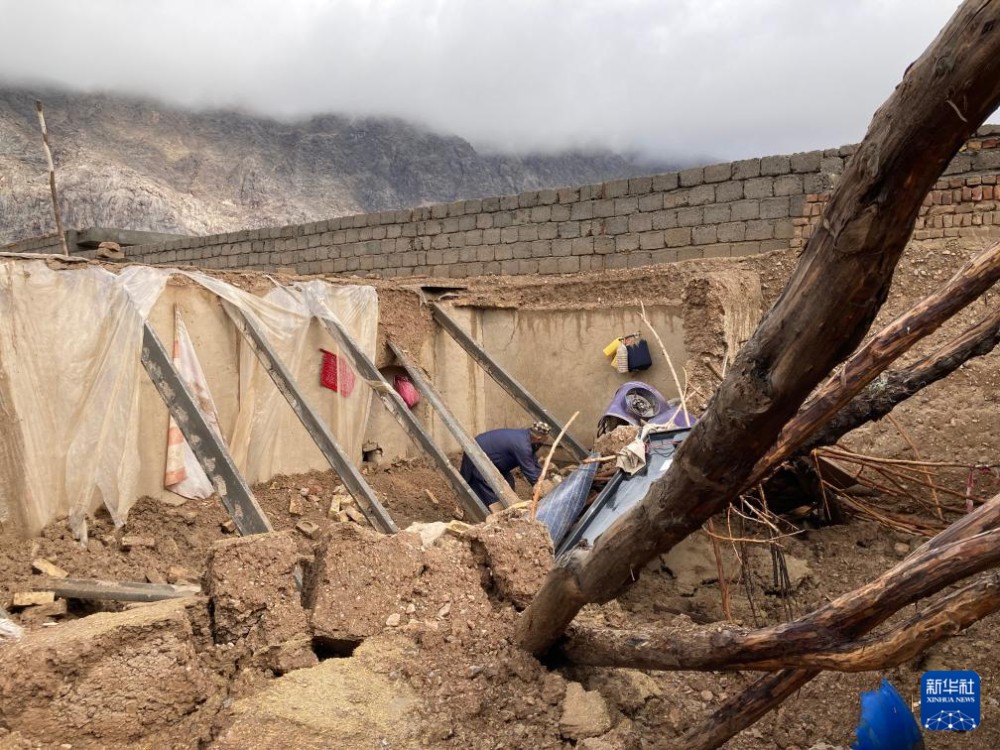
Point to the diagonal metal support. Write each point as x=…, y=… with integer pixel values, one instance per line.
x=505, y=381
x=208, y=448
x=395, y=405
x=471, y=448
x=360, y=490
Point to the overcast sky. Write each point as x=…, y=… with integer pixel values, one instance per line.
x=725, y=78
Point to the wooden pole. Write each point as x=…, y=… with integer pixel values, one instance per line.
x=52, y=177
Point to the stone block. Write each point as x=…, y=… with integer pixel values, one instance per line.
x=817, y=183
x=561, y=247
x=651, y=240
x=527, y=233
x=569, y=265
x=705, y=235
x=746, y=169
x=759, y=187
x=549, y=265
x=583, y=246
x=547, y=197
x=669, y=181
x=775, y=165
x=541, y=214
x=604, y=208
x=732, y=232
x=692, y=177
x=561, y=212
x=677, y=237
x=626, y=206
x=617, y=225
x=726, y=192
x=718, y=172
x=665, y=219
x=528, y=200
x=569, y=229
x=760, y=229
x=640, y=222
x=784, y=229
x=582, y=210
x=548, y=231
x=626, y=243
x=640, y=185
x=774, y=208
x=615, y=188
x=690, y=217
x=541, y=248
x=568, y=195
x=604, y=245
x=651, y=202
x=788, y=184
x=717, y=213
x=831, y=164
x=701, y=195
x=806, y=162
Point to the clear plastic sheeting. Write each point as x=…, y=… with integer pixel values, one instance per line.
x=70, y=375
x=69, y=390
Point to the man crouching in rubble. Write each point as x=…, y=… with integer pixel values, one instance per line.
x=507, y=449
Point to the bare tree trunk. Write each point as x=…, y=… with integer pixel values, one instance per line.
x=832, y=297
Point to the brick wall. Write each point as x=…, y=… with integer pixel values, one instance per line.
x=733, y=209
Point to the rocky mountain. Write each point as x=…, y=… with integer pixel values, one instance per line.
x=140, y=165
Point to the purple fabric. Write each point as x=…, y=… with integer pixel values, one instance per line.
x=618, y=408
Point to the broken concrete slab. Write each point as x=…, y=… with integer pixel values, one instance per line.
x=111, y=679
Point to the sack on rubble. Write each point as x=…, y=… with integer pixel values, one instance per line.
x=9, y=630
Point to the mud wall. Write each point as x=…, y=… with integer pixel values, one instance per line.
x=724, y=210
x=557, y=354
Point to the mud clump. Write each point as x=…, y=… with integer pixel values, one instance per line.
x=515, y=555
x=111, y=679
x=256, y=605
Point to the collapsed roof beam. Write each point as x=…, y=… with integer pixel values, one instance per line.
x=513, y=388
x=92, y=589
x=395, y=405
x=471, y=448
x=335, y=455
x=208, y=447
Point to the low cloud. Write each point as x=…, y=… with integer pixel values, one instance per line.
x=726, y=78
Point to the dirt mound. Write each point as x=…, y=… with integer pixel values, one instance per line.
x=340, y=703
x=111, y=679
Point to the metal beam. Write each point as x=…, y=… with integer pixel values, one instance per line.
x=395, y=405
x=505, y=381
x=335, y=455
x=482, y=462
x=117, y=591
x=208, y=448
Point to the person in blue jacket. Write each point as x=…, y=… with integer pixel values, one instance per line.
x=508, y=449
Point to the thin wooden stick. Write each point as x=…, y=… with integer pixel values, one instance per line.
x=840, y=452
x=916, y=455
x=723, y=581
x=670, y=362
x=536, y=495
x=52, y=177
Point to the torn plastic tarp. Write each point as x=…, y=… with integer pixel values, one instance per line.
x=184, y=475
x=562, y=506
x=70, y=343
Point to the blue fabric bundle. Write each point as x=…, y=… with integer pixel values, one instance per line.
x=887, y=723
